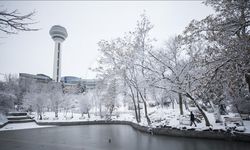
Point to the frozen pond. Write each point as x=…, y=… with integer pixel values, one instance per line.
x=96, y=137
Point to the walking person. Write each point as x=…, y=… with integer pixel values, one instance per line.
x=192, y=119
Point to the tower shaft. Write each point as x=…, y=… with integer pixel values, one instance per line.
x=57, y=62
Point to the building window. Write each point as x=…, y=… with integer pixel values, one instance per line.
x=57, y=74
x=58, y=61
x=59, y=46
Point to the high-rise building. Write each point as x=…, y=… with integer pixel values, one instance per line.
x=58, y=34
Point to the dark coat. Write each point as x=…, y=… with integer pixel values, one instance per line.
x=192, y=117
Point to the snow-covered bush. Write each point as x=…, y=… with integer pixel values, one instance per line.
x=85, y=102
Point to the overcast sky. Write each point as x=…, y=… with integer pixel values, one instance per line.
x=86, y=24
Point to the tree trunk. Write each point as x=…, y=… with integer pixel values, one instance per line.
x=56, y=110
x=180, y=103
x=88, y=113
x=186, y=105
x=111, y=109
x=145, y=108
x=247, y=77
x=39, y=112
x=199, y=108
x=138, y=107
x=66, y=112
x=100, y=110
x=133, y=98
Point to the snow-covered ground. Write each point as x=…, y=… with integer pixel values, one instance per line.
x=3, y=119
x=50, y=117
x=247, y=126
x=160, y=117
x=19, y=126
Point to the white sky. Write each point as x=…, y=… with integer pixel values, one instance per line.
x=86, y=23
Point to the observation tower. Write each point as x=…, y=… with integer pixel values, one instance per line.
x=58, y=34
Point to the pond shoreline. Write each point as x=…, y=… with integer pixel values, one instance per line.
x=3, y=124
x=207, y=134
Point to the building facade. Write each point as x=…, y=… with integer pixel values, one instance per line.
x=73, y=84
x=69, y=84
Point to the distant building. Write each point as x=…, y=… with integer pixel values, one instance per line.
x=73, y=84
x=89, y=83
x=26, y=80
x=70, y=84
x=71, y=80
x=39, y=77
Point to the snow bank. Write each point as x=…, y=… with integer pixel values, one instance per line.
x=247, y=126
x=19, y=126
x=160, y=118
x=3, y=119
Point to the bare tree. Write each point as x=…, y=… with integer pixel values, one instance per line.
x=11, y=22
